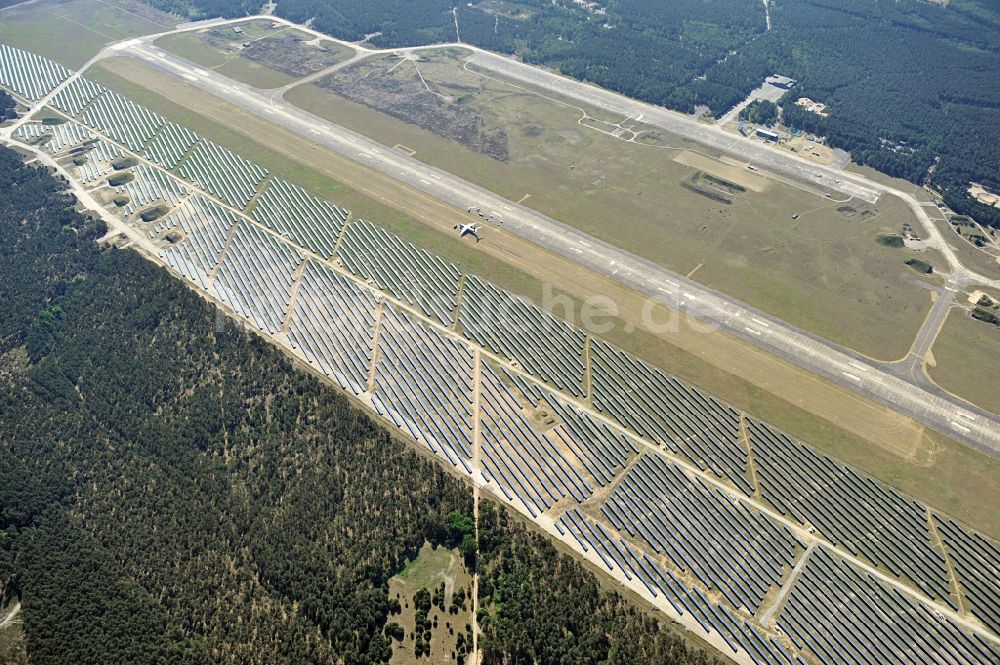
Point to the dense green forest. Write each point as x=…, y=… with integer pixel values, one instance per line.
x=8, y=107
x=172, y=490
x=909, y=85
x=760, y=112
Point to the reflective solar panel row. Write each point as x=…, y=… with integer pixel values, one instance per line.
x=615, y=553
x=170, y=145
x=151, y=186
x=206, y=227
x=256, y=276
x=977, y=565
x=223, y=173
x=122, y=120
x=522, y=332
x=524, y=464
x=76, y=95
x=855, y=512
x=401, y=269
x=309, y=222
x=723, y=543
x=845, y=616
x=424, y=384
x=30, y=76
x=332, y=324
x=669, y=412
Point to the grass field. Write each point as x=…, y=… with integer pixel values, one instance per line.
x=822, y=271
x=428, y=571
x=262, y=56
x=971, y=256
x=869, y=436
x=967, y=360
x=73, y=31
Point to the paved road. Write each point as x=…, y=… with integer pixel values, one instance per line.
x=911, y=368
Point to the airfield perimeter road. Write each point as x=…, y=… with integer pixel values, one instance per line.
x=973, y=426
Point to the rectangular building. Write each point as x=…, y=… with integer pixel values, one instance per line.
x=767, y=134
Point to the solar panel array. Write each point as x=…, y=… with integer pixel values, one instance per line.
x=76, y=95
x=723, y=543
x=522, y=332
x=601, y=450
x=669, y=412
x=104, y=151
x=423, y=383
x=170, y=145
x=854, y=511
x=122, y=120
x=206, y=227
x=403, y=270
x=222, y=173
x=844, y=615
x=151, y=186
x=977, y=565
x=100, y=157
x=29, y=75
x=332, y=324
x=307, y=221
x=256, y=276
x=519, y=460
x=615, y=553
x=54, y=138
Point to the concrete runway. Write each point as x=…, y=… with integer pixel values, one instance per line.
x=945, y=413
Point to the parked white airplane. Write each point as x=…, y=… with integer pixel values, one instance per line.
x=468, y=230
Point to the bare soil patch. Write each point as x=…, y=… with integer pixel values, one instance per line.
x=288, y=53
x=407, y=98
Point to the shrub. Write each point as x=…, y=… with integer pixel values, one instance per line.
x=121, y=200
x=986, y=315
x=120, y=179
x=890, y=239
x=124, y=163
x=920, y=266
x=149, y=214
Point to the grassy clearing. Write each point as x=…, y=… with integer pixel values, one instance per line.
x=74, y=31
x=871, y=437
x=429, y=570
x=972, y=257
x=822, y=271
x=967, y=360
